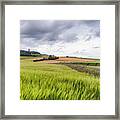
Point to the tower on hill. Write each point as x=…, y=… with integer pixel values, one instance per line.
x=28, y=50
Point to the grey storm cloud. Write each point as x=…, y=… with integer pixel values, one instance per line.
x=34, y=32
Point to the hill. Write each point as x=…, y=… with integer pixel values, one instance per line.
x=31, y=53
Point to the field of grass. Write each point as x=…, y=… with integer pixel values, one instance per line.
x=43, y=81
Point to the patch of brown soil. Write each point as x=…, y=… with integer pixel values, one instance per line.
x=68, y=60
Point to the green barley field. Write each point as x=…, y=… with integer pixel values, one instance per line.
x=43, y=81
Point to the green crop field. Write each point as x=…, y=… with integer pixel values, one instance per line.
x=42, y=81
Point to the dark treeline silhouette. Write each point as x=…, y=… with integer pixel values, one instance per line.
x=50, y=57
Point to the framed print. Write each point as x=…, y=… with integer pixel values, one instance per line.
x=60, y=59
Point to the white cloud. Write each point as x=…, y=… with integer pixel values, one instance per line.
x=62, y=38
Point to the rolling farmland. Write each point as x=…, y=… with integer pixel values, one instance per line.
x=61, y=79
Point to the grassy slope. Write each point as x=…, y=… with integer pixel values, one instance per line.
x=56, y=82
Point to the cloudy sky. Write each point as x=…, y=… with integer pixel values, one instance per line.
x=79, y=38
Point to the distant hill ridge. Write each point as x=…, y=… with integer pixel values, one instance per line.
x=29, y=53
